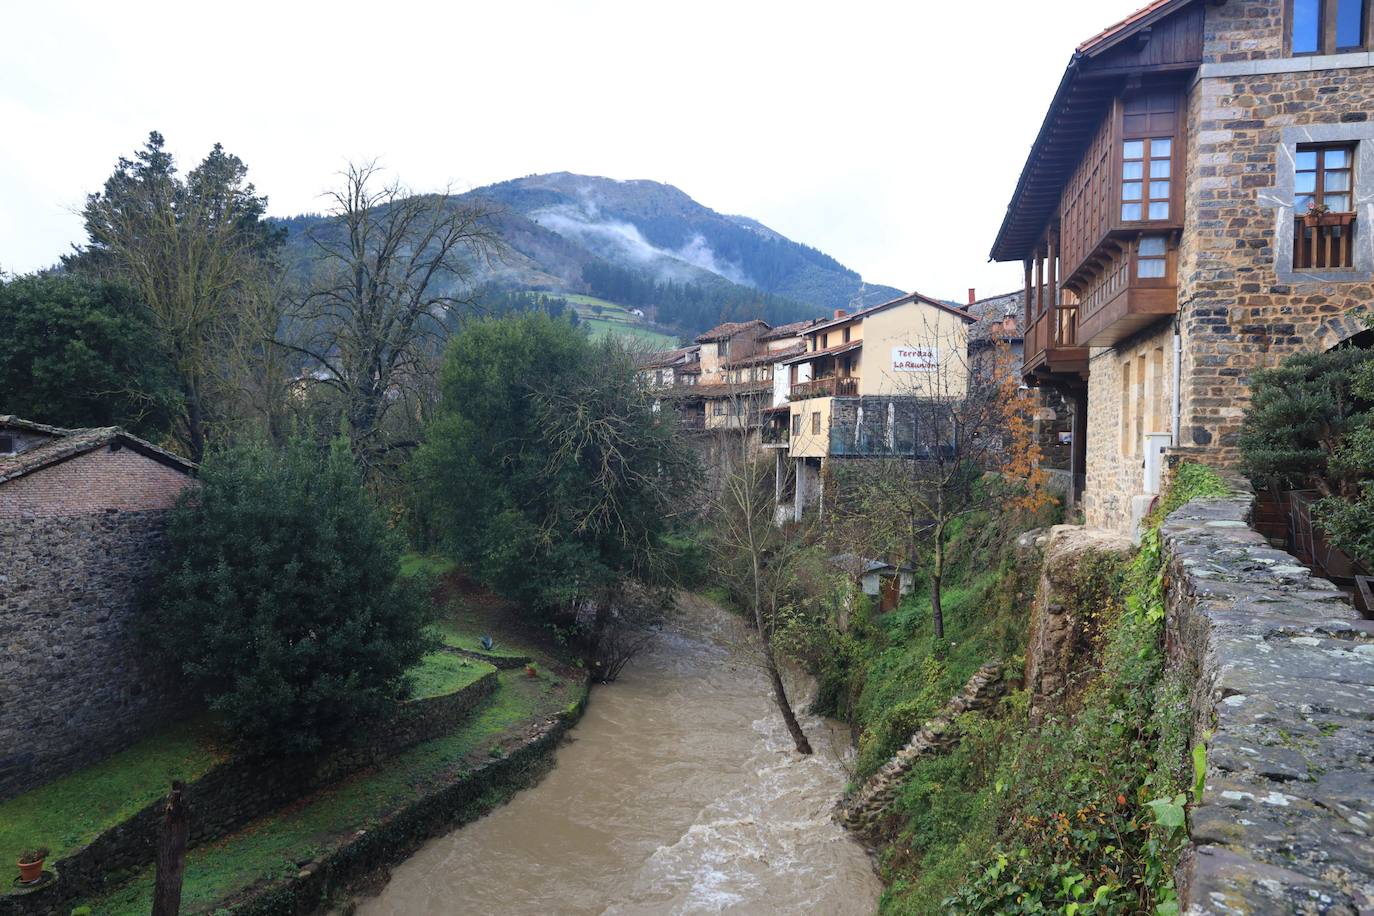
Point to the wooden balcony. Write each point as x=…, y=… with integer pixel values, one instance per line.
x=1051, y=347
x=831, y=387
x=1324, y=242
x=1125, y=313
x=776, y=435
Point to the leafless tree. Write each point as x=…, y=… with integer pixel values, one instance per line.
x=391, y=273
x=953, y=440
x=750, y=547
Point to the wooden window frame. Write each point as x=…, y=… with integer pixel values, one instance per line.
x=815, y=422
x=1326, y=30
x=1178, y=156
x=1319, y=192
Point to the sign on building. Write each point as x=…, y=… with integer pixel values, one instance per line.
x=915, y=359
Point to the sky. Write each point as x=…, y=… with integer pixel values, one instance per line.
x=887, y=134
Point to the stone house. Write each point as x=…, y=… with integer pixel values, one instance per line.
x=82, y=517
x=1198, y=204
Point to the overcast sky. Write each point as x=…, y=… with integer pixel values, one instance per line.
x=887, y=134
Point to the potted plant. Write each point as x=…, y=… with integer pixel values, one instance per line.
x=31, y=865
x=530, y=672
x=1314, y=214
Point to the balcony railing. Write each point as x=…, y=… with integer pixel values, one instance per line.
x=833, y=387
x=691, y=421
x=1324, y=242
x=775, y=435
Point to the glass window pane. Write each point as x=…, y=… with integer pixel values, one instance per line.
x=1159, y=168
x=1337, y=181
x=1338, y=202
x=1306, y=26
x=1302, y=202
x=1130, y=212
x=1131, y=170
x=1130, y=190
x=1152, y=246
x=1307, y=159
x=1337, y=158
x=1305, y=182
x=1133, y=149
x=1349, y=23
x=1150, y=267
x=1161, y=148
x=1159, y=211
x=1159, y=189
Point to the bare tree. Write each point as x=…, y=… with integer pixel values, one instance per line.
x=748, y=544
x=390, y=276
x=955, y=439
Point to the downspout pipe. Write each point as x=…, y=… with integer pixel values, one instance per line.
x=1177, y=416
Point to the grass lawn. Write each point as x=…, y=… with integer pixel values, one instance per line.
x=442, y=673
x=462, y=636
x=70, y=812
x=275, y=846
x=599, y=327
x=414, y=564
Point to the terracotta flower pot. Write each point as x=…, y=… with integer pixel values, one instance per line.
x=29, y=872
x=530, y=672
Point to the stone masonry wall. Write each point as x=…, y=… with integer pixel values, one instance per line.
x=1242, y=306
x=1283, y=696
x=72, y=686
x=1115, y=462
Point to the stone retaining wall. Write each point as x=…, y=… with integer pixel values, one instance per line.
x=314, y=887
x=1283, y=675
x=238, y=791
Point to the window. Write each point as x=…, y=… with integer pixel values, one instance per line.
x=796, y=424
x=1327, y=26
x=1151, y=261
x=1127, y=402
x=718, y=408
x=722, y=348
x=846, y=335
x=1146, y=178
x=6, y=445
x=816, y=423
x=1323, y=188
x=1322, y=178
x=825, y=341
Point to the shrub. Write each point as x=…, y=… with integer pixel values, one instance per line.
x=281, y=601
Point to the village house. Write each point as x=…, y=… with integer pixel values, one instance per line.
x=668, y=368
x=846, y=388
x=82, y=518
x=1198, y=204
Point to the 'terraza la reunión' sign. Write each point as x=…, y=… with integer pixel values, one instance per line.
x=915, y=359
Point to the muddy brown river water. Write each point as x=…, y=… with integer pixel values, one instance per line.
x=678, y=792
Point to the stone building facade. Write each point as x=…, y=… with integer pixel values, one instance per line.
x=82, y=519
x=1199, y=205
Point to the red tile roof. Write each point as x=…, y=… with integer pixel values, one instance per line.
x=883, y=306
x=829, y=351
x=730, y=329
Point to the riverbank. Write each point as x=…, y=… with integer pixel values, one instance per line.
x=678, y=792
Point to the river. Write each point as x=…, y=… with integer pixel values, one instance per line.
x=678, y=792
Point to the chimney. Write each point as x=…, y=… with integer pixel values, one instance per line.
x=839, y=313
x=972, y=295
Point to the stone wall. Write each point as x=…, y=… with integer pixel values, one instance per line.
x=241, y=790
x=1283, y=694
x=1130, y=390
x=73, y=687
x=1242, y=307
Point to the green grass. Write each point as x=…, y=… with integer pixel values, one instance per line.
x=600, y=327
x=414, y=564
x=454, y=634
x=70, y=812
x=273, y=847
x=442, y=673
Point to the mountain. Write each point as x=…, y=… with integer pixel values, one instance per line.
x=649, y=245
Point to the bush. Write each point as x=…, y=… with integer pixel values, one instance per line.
x=281, y=601
x=1311, y=424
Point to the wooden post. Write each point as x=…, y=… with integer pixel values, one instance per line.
x=171, y=854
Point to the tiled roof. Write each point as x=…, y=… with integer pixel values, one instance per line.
x=992, y=311
x=828, y=351
x=768, y=356
x=883, y=306
x=666, y=357
x=9, y=420
x=722, y=390
x=730, y=329
x=1125, y=27
x=70, y=443
x=789, y=330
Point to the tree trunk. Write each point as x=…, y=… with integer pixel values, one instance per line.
x=171, y=854
x=936, y=611
x=784, y=706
